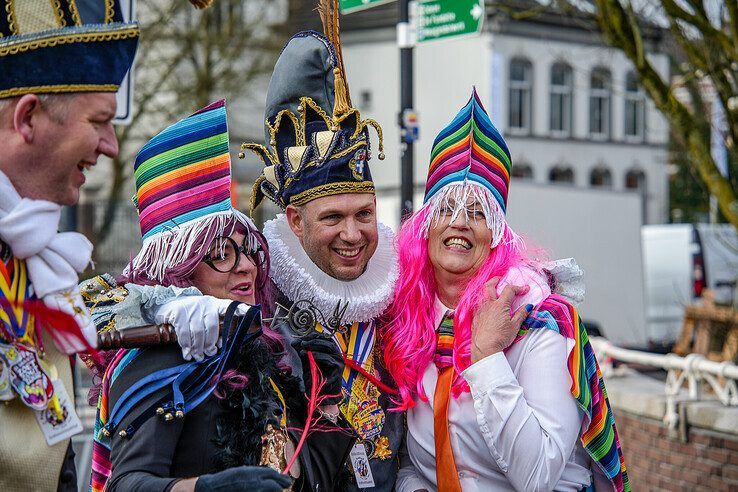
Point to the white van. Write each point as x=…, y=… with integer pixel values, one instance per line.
x=679, y=262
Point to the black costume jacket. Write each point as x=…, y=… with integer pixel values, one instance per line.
x=384, y=470
x=219, y=433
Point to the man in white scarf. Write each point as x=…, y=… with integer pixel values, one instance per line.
x=60, y=65
x=42, y=167
x=49, y=141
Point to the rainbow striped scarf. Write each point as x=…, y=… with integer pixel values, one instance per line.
x=101, y=465
x=599, y=435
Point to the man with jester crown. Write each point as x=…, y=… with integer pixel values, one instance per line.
x=60, y=65
x=333, y=264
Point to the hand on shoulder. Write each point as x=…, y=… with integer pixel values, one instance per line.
x=493, y=326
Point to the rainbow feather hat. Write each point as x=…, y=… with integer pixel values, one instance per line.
x=470, y=159
x=183, y=187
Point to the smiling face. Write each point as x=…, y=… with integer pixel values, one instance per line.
x=458, y=249
x=54, y=139
x=236, y=285
x=338, y=233
x=74, y=144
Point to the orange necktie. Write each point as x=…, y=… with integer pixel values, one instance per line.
x=446, y=474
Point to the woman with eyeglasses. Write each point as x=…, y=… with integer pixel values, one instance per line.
x=492, y=362
x=232, y=420
x=230, y=268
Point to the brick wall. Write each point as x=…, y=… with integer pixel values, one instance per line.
x=708, y=461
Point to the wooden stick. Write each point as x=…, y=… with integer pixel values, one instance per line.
x=142, y=336
x=148, y=336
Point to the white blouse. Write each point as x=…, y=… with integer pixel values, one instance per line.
x=518, y=429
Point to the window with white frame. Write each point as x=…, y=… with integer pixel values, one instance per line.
x=561, y=99
x=635, y=108
x=600, y=89
x=521, y=95
x=600, y=177
x=562, y=173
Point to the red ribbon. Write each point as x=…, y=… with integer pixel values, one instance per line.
x=373, y=379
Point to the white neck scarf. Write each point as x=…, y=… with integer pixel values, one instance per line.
x=53, y=258
x=299, y=278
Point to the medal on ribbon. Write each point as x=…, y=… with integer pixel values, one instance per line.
x=360, y=405
x=26, y=376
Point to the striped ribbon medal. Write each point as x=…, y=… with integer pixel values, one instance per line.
x=360, y=405
x=16, y=324
x=21, y=371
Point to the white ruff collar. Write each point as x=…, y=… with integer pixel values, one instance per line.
x=298, y=277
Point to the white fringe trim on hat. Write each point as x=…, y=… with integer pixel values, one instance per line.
x=172, y=247
x=454, y=198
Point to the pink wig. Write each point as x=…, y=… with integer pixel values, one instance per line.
x=410, y=336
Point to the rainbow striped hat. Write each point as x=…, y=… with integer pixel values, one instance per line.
x=469, y=158
x=183, y=187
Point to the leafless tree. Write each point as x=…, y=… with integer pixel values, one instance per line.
x=187, y=58
x=705, y=80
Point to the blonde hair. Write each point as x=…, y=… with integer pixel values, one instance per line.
x=57, y=105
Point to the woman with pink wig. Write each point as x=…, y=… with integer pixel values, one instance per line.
x=492, y=362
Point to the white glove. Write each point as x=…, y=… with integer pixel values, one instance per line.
x=196, y=321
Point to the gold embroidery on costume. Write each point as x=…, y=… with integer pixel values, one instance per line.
x=109, y=11
x=381, y=448
x=75, y=12
x=97, y=290
x=45, y=42
x=275, y=441
x=354, y=171
x=10, y=11
x=306, y=102
x=58, y=89
x=273, y=449
x=332, y=189
x=273, y=129
x=58, y=13
x=347, y=150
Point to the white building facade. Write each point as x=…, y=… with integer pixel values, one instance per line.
x=570, y=108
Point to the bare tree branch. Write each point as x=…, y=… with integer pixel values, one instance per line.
x=185, y=59
x=621, y=29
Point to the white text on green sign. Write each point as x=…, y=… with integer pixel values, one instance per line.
x=440, y=19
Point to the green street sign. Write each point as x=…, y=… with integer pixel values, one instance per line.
x=441, y=19
x=348, y=6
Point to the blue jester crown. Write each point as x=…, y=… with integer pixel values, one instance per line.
x=64, y=46
x=318, y=145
